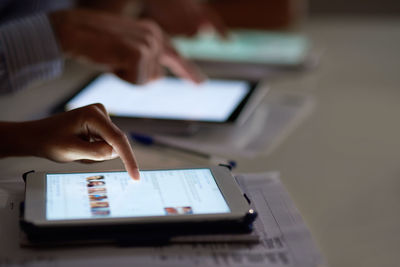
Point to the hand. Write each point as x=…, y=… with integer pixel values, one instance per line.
x=135, y=51
x=184, y=17
x=85, y=133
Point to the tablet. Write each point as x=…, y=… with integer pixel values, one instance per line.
x=173, y=202
x=170, y=99
x=247, y=46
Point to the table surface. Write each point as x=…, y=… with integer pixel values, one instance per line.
x=341, y=165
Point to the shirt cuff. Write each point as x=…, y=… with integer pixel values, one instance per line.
x=28, y=52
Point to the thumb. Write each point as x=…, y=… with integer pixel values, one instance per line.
x=94, y=151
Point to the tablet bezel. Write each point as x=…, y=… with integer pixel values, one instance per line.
x=35, y=203
x=239, y=114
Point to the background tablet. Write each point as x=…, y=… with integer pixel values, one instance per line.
x=247, y=46
x=167, y=99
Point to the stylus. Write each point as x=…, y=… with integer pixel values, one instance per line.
x=152, y=140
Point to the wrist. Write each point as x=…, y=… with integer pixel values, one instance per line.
x=13, y=139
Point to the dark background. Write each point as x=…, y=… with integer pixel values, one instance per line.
x=367, y=7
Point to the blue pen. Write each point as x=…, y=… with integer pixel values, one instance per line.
x=150, y=140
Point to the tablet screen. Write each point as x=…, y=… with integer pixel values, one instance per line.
x=115, y=194
x=167, y=98
x=246, y=46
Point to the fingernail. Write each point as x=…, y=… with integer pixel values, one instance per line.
x=136, y=175
x=199, y=77
x=202, y=78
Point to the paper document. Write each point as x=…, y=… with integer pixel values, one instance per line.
x=284, y=238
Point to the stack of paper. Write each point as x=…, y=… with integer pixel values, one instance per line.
x=284, y=238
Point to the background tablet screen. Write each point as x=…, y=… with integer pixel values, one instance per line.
x=246, y=46
x=167, y=98
x=115, y=194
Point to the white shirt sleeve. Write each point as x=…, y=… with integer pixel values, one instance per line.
x=28, y=52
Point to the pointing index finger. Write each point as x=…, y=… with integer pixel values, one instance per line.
x=118, y=140
x=180, y=66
